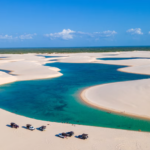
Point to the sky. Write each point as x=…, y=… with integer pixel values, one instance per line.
x=74, y=23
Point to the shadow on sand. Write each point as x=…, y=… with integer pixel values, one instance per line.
x=24, y=127
x=8, y=126
x=38, y=129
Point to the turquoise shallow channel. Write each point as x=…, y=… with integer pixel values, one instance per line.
x=57, y=99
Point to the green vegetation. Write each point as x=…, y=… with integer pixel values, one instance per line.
x=71, y=50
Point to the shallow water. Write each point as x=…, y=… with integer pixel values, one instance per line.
x=57, y=99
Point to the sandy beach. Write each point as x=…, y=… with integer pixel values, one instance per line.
x=129, y=98
x=99, y=138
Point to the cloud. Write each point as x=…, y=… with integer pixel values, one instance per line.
x=84, y=34
x=22, y=37
x=7, y=37
x=97, y=35
x=135, y=31
x=149, y=32
x=66, y=34
x=105, y=33
x=27, y=36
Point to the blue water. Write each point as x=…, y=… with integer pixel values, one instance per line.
x=122, y=58
x=54, y=60
x=57, y=99
x=49, y=56
x=7, y=71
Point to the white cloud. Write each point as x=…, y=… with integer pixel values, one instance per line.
x=84, y=33
x=7, y=37
x=149, y=32
x=105, y=33
x=24, y=36
x=135, y=31
x=66, y=34
x=97, y=35
x=27, y=36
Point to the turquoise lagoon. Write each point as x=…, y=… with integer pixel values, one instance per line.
x=57, y=99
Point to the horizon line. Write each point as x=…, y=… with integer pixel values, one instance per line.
x=71, y=47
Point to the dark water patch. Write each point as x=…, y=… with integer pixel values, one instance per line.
x=56, y=99
x=3, y=57
x=49, y=56
x=7, y=71
x=122, y=58
x=110, y=54
x=54, y=60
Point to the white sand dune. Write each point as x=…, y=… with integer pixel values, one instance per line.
x=26, y=70
x=141, y=69
x=26, y=67
x=131, y=97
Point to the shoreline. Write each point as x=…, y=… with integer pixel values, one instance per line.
x=65, y=123
x=82, y=92
x=121, y=70
x=87, y=102
x=22, y=139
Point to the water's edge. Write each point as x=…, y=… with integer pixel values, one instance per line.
x=55, y=99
